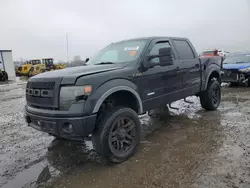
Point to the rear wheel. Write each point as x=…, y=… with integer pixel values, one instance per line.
x=117, y=135
x=210, y=99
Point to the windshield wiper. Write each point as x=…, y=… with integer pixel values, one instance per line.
x=105, y=63
x=238, y=62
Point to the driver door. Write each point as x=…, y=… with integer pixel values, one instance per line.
x=158, y=85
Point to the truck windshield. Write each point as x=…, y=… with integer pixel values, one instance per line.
x=120, y=52
x=239, y=58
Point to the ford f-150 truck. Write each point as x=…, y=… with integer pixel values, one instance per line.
x=125, y=79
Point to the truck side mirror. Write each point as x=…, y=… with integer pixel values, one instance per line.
x=86, y=60
x=166, y=56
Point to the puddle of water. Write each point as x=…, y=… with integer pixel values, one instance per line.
x=26, y=177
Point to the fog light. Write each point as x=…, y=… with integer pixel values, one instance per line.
x=68, y=128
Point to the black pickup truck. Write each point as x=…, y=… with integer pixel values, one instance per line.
x=125, y=79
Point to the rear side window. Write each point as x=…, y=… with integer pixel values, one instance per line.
x=184, y=50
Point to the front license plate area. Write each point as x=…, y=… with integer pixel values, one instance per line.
x=45, y=126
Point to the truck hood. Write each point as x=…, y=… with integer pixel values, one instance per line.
x=70, y=75
x=236, y=66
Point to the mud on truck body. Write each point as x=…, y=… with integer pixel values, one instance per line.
x=125, y=79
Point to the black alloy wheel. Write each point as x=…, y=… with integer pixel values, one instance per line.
x=122, y=135
x=216, y=95
x=117, y=134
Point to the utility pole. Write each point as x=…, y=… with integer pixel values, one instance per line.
x=67, y=43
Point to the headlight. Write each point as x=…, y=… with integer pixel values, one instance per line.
x=245, y=70
x=72, y=94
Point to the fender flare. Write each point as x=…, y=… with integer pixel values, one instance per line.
x=115, y=89
x=209, y=74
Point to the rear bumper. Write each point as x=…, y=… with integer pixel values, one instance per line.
x=82, y=126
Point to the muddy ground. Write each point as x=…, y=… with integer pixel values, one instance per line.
x=191, y=148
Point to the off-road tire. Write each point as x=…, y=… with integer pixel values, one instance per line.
x=207, y=99
x=101, y=136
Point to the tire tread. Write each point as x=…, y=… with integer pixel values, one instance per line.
x=98, y=135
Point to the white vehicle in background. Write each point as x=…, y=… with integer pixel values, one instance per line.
x=223, y=53
x=214, y=52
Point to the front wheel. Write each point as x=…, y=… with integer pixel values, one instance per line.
x=117, y=135
x=210, y=99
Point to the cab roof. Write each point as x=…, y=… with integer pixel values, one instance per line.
x=154, y=37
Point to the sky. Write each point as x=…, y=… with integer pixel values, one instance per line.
x=37, y=28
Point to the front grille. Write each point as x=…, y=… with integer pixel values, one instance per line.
x=42, y=94
x=230, y=75
x=41, y=85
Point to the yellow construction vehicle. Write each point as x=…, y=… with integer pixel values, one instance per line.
x=3, y=75
x=47, y=64
x=37, y=69
x=26, y=68
x=18, y=70
x=60, y=66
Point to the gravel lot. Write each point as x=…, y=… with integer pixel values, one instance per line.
x=191, y=148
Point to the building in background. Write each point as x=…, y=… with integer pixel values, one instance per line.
x=7, y=64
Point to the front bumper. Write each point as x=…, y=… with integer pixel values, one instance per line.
x=234, y=76
x=82, y=126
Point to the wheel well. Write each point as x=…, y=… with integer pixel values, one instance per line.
x=216, y=75
x=120, y=98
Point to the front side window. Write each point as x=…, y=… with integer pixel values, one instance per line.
x=155, y=50
x=184, y=49
x=120, y=52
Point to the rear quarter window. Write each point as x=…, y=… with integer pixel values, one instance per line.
x=184, y=50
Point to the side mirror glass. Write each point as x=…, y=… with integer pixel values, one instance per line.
x=86, y=60
x=165, y=56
